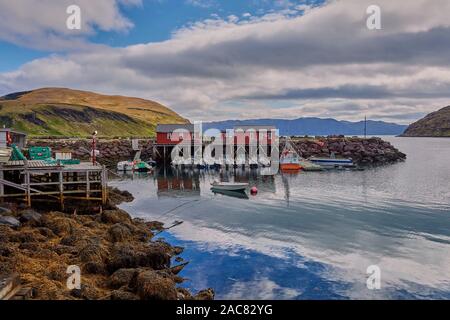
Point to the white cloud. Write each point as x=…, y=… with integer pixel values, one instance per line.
x=42, y=23
x=325, y=63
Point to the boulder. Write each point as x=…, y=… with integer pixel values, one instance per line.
x=150, y=255
x=5, y=211
x=119, y=232
x=155, y=285
x=30, y=216
x=115, y=216
x=121, y=277
x=9, y=221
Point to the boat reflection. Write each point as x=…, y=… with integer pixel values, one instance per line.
x=233, y=194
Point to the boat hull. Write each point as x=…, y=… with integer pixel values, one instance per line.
x=290, y=167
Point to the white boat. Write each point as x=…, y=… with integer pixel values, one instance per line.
x=332, y=162
x=264, y=161
x=229, y=186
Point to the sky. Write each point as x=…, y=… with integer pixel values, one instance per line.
x=237, y=59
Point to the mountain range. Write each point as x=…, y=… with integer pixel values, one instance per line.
x=315, y=126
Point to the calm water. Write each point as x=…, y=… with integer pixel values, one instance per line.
x=312, y=235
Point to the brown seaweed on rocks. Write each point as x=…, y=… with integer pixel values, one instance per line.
x=116, y=254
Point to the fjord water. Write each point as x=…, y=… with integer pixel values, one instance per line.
x=312, y=235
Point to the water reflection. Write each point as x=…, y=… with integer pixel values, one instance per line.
x=312, y=235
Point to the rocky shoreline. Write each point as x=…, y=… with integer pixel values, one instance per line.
x=117, y=255
x=363, y=151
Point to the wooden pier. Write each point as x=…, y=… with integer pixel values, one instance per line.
x=36, y=180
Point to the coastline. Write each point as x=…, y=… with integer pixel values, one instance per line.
x=364, y=151
x=117, y=256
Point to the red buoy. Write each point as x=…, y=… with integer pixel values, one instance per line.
x=254, y=190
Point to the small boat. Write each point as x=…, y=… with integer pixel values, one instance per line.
x=333, y=162
x=309, y=165
x=264, y=161
x=229, y=186
x=289, y=159
x=136, y=165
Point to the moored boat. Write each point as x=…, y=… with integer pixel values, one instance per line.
x=289, y=159
x=332, y=162
x=229, y=186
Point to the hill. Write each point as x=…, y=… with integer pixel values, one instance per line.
x=75, y=113
x=435, y=124
x=316, y=126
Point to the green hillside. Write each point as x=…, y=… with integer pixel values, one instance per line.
x=74, y=113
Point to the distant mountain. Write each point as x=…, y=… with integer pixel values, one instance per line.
x=316, y=126
x=75, y=113
x=435, y=124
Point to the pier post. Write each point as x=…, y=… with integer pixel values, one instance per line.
x=61, y=189
x=28, y=181
x=104, y=178
x=88, y=185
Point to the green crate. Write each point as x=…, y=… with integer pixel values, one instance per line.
x=40, y=153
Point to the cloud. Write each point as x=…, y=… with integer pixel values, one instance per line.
x=41, y=24
x=304, y=61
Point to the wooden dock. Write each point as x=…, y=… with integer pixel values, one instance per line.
x=36, y=180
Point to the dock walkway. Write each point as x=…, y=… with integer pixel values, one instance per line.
x=42, y=181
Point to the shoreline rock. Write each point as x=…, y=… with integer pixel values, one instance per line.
x=363, y=151
x=116, y=254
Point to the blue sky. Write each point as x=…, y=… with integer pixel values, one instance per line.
x=154, y=21
x=230, y=59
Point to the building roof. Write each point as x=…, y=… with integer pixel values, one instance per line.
x=12, y=131
x=166, y=128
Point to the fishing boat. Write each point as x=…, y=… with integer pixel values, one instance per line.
x=289, y=159
x=333, y=162
x=229, y=186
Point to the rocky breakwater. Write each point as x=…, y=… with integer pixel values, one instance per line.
x=363, y=151
x=111, y=150
x=117, y=255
